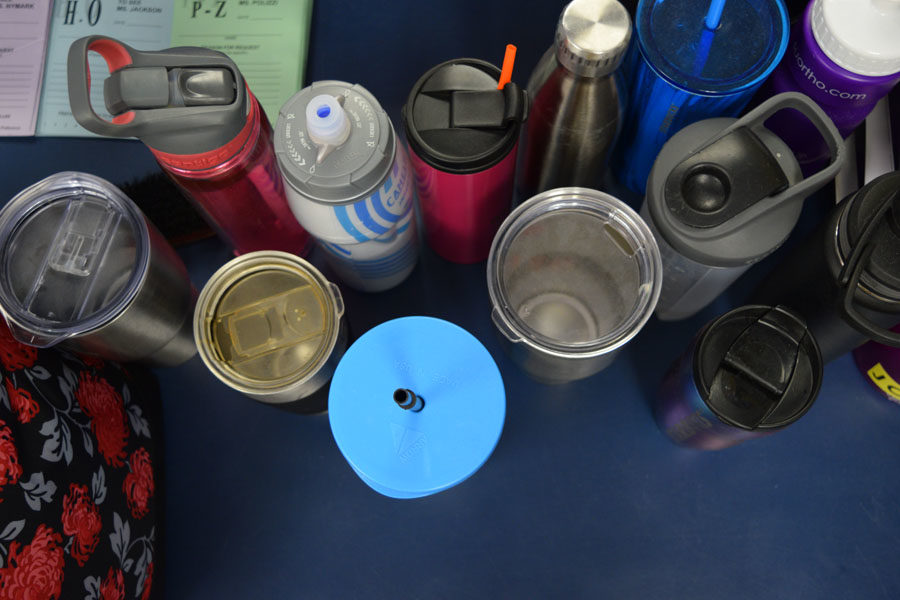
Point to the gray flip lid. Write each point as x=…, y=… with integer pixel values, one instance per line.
x=727, y=192
x=352, y=169
x=179, y=100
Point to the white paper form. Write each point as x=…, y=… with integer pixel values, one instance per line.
x=23, y=42
x=142, y=24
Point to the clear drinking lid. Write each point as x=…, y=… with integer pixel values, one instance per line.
x=74, y=250
x=574, y=272
x=266, y=320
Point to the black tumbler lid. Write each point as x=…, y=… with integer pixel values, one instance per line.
x=758, y=367
x=882, y=270
x=458, y=121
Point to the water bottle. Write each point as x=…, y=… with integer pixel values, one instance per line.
x=576, y=103
x=845, y=55
x=206, y=129
x=349, y=183
x=723, y=390
x=845, y=278
x=723, y=194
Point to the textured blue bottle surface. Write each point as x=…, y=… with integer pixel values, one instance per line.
x=407, y=454
x=681, y=72
x=683, y=415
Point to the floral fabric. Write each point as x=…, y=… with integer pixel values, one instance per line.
x=79, y=497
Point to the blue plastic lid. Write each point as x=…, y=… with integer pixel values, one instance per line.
x=746, y=46
x=404, y=452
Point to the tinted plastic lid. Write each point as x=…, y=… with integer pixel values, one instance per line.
x=266, y=320
x=859, y=35
x=758, y=367
x=73, y=253
x=347, y=171
x=458, y=121
x=407, y=453
x=750, y=40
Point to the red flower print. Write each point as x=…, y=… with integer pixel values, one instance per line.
x=81, y=519
x=148, y=582
x=113, y=587
x=138, y=484
x=92, y=361
x=21, y=401
x=10, y=469
x=14, y=354
x=104, y=406
x=36, y=573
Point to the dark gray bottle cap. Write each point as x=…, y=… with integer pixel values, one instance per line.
x=758, y=367
x=727, y=192
x=179, y=101
x=351, y=170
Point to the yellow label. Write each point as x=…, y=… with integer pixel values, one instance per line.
x=884, y=381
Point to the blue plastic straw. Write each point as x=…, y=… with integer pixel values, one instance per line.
x=714, y=15
x=711, y=22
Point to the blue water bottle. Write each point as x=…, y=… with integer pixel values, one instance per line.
x=691, y=60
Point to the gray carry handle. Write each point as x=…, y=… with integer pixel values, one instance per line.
x=756, y=118
x=147, y=94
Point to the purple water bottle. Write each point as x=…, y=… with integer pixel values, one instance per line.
x=845, y=55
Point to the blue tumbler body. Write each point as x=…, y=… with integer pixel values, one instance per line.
x=680, y=71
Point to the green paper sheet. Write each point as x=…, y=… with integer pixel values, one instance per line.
x=267, y=39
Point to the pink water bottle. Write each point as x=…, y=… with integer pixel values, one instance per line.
x=463, y=133
x=194, y=111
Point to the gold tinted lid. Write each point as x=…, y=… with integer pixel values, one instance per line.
x=268, y=321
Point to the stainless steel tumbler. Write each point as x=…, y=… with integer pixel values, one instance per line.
x=82, y=267
x=573, y=275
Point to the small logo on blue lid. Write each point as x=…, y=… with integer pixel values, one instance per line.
x=407, y=442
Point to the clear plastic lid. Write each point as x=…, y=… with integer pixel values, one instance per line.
x=73, y=251
x=574, y=272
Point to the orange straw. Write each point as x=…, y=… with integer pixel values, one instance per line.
x=506, y=72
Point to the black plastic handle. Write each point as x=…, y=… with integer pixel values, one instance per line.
x=756, y=118
x=851, y=272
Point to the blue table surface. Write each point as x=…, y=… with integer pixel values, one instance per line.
x=583, y=496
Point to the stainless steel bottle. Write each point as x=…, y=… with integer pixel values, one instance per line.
x=576, y=105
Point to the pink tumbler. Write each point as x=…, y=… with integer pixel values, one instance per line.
x=462, y=133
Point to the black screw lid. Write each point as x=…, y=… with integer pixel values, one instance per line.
x=758, y=367
x=458, y=121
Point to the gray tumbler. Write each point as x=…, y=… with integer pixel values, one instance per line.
x=722, y=195
x=83, y=268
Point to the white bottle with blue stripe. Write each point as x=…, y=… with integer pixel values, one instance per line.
x=348, y=182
